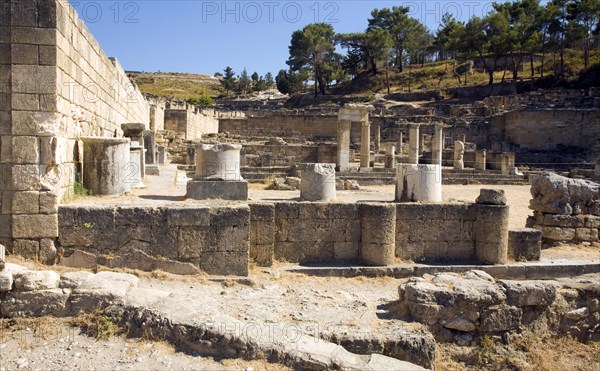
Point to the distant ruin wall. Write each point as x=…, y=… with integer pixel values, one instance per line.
x=193, y=122
x=57, y=85
x=551, y=130
x=309, y=127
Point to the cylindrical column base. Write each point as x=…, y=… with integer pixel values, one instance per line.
x=418, y=183
x=378, y=238
x=105, y=162
x=218, y=162
x=318, y=182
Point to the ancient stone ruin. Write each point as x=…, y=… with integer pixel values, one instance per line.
x=261, y=208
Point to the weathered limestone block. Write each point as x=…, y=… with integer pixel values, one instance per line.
x=35, y=226
x=480, y=160
x=188, y=216
x=459, y=155
x=558, y=233
x=318, y=182
x=225, y=263
x=418, y=183
x=501, y=318
x=134, y=173
x=36, y=280
x=80, y=259
x=529, y=293
x=51, y=302
x=105, y=163
x=6, y=281
x=586, y=234
x=566, y=221
x=554, y=194
x=224, y=190
x=378, y=234
x=491, y=233
x=524, y=244
x=491, y=197
x=262, y=233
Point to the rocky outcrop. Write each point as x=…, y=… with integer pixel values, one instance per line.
x=461, y=307
x=555, y=194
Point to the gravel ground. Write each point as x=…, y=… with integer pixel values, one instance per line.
x=53, y=344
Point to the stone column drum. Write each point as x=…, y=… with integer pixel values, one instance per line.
x=418, y=183
x=413, y=144
x=218, y=162
x=378, y=234
x=217, y=173
x=491, y=227
x=459, y=155
x=318, y=182
x=104, y=165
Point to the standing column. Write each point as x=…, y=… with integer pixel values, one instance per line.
x=413, y=144
x=400, y=140
x=421, y=144
x=459, y=154
x=438, y=147
x=377, y=138
x=480, y=160
x=390, y=158
x=365, y=144
x=343, y=144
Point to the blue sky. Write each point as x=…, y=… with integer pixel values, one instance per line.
x=197, y=36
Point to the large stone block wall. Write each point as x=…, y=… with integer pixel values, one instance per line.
x=215, y=239
x=192, y=121
x=332, y=232
x=220, y=240
x=435, y=232
x=57, y=85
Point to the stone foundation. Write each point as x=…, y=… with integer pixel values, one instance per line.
x=215, y=189
x=220, y=239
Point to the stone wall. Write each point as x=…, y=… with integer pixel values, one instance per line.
x=215, y=239
x=157, y=112
x=175, y=144
x=288, y=155
x=309, y=127
x=332, y=233
x=56, y=85
x=565, y=210
x=220, y=239
x=192, y=121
